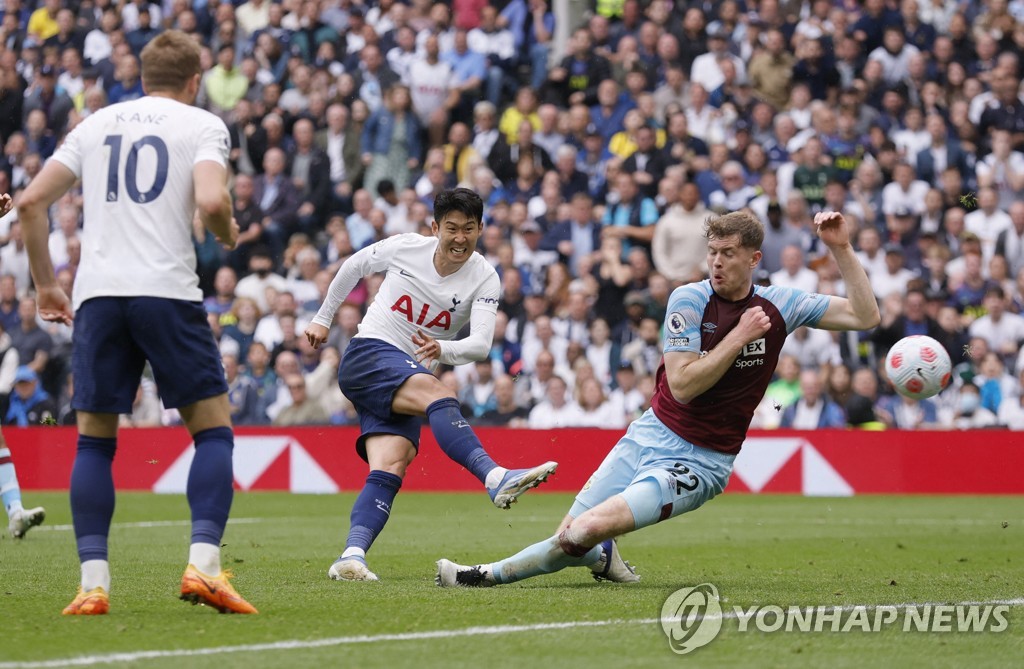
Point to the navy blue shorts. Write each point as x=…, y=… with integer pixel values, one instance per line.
x=370, y=374
x=115, y=336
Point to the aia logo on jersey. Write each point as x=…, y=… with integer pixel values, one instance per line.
x=403, y=305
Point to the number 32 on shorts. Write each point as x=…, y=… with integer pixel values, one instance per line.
x=683, y=478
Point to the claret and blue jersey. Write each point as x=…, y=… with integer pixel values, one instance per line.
x=697, y=320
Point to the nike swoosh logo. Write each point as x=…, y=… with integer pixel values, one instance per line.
x=404, y=273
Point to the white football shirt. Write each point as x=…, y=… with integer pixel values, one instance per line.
x=415, y=297
x=135, y=160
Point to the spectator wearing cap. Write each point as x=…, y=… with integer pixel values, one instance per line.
x=706, y=70
x=47, y=97
x=987, y=221
x=27, y=404
x=896, y=276
x=771, y=70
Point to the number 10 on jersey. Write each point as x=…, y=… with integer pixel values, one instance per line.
x=131, y=167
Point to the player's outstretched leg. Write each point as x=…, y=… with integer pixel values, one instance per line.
x=460, y=443
x=210, y=492
x=21, y=520
x=92, y=508
x=580, y=544
x=369, y=515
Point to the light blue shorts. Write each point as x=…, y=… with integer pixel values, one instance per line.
x=657, y=472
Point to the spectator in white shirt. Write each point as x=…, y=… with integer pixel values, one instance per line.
x=595, y=409
x=794, y=273
x=987, y=221
x=1003, y=170
x=904, y=192
x=896, y=276
x=1002, y=330
x=556, y=410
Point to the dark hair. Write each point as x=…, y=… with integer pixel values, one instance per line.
x=459, y=199
x=385, y=186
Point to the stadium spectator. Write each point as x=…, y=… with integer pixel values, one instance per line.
x=390, y=142
x=814, y=410
x=556, y=409
x=506, y=411
x=303, y=410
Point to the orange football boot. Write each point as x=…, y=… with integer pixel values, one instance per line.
x=96, y=602
x=215, y=591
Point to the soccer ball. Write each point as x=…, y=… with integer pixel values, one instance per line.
x=918, y=367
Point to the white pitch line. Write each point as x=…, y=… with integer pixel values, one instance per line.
x=296, y=644
x=148, y=523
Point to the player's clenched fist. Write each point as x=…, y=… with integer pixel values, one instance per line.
x=5, y=203
x=754, y=323
x=316, y=334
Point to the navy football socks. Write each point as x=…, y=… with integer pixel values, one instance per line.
x=92, y=495
x=457, y=439
x=210, y=487
x=372, y=508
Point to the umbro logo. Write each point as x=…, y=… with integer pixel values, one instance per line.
x=709, y=327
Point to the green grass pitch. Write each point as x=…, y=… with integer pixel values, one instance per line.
x=755, y=549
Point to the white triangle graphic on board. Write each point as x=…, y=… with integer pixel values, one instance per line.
x=251, y=457
x=762, y=457
x=306, y=475
x=175, y=479
x=820, y=478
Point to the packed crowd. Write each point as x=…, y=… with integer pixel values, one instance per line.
x=599, y=157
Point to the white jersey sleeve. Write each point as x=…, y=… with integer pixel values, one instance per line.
x=414, y=297
x=136, y=160
x=367, y=261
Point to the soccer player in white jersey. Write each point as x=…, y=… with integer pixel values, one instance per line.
x=434, y=286
x=146, y=167
x=724, y=335
x=20, y=520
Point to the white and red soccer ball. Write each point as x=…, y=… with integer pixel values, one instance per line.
x=918, y=367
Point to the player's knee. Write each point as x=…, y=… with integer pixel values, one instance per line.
x=589, y=529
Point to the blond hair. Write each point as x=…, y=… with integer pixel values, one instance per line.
x=169, y=62
x=741, y=223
